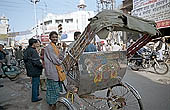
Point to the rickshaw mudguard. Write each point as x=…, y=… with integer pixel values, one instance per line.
x=67, y=103
x=100, y=70
x=133, y=90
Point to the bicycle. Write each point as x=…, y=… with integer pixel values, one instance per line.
x=147, y=61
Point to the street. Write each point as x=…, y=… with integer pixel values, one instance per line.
x=154, y=89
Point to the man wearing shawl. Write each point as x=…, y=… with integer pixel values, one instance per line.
x=53, y=56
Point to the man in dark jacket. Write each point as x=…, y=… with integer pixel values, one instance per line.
x=34, y=68
x=2, y=59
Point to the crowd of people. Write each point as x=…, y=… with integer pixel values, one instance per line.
x=2, y=60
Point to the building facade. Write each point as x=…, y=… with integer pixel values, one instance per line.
x=71, y=22
x=4, y=28
x=156, y=10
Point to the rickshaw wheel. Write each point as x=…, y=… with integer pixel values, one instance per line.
x=61, y=106
x=122, y=98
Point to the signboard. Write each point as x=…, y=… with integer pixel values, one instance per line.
x=19, y=33
x=45, y=39
x=24, y=32
x=13, y=34
x=156, y=10
x=64, y=36
x=4, y=36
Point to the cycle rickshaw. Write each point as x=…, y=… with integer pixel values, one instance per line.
x=90, y=72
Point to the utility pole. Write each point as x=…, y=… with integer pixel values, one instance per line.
x=35, y=14
x=45, y=8
x=45, y=12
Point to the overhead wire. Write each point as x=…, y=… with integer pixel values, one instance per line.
x=17, y=5
x=65, y=3
x=11, y=2
x=9, y=6
x=28, y=1
x=8, y=10
x=38, y=6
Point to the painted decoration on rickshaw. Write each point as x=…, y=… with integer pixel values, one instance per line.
x=101, y=66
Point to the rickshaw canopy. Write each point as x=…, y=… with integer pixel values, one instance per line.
x=114, y=20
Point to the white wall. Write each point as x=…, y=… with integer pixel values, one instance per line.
x=80, y=21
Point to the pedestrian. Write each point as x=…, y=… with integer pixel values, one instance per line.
x=43, y=77
x=33, y=67
x=108, y=45
x=161, y=47
x=91, y=47
x=40, y=50
x=2, y=60
x=19, y=55
x=53, y=57
x=116, y=47
x=76, y=36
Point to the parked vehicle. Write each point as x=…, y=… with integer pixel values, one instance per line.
x=143, y=60
x=10, y=69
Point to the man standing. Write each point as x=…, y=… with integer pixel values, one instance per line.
x=76, y=36
x=91, y=47
x=19, y=55
x=2, y=59
x=116, y=47
x=34, y=67
x=53, y=57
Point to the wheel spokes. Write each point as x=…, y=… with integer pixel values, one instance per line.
x=122, y=99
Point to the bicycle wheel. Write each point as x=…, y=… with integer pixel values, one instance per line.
x=123, y=98
x=161, y=68
x=145, y=65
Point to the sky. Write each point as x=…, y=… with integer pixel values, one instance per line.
x=21, y=12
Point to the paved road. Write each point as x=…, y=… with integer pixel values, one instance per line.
x=154, y=89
